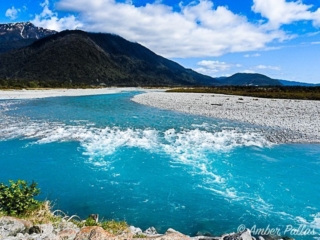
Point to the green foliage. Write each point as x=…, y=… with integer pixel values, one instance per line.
x=27, y=84
x=114, y=227
x=18, y=197
x=91, y=222
x=33, y=84
x=283, y=92
x=72, y=58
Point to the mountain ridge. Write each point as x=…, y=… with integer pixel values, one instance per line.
x=94, y=58
x=295, y=83
x=249, y=79
x=20, y=34
x=30, y=53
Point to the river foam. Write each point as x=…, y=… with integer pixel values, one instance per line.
x=150, y=166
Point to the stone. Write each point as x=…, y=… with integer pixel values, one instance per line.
x=93, y=233
x=10, y=226
x=67, y=234
x=135, y=231
x=244, y=235
x=20, y=235
x=172, y=234
x=151, y=231
x=46, y=229
x=64, y=225
x=171, y=230
x=34, y=229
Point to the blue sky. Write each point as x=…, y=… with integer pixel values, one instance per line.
x=279, y=38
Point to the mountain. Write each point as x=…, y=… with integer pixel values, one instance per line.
x=17, y=35
x=30, y=53
x=249, y=79
x=293, y=83
x=94, y=58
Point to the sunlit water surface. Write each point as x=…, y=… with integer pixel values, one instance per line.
x=108, y=155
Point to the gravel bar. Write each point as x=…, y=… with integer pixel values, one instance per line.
x=300, y=119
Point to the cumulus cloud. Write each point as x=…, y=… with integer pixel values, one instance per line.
x=211, y=67
x=275, y=68
x=49, y=19
x=279, y=12
x=248, y=71
x=198, y=29
x=12, y=13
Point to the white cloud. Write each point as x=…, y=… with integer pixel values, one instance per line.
x=252, y=55
x=275, y=68
x=279, y=12
x=248, y=71
x=12, y=13
x=313, y=43
x=211, y=67
x=196, y=30
x=49, y=19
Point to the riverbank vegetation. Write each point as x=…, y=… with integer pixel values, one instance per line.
x=41, y=84
x=17, y=199
x=24, y=84
x=294, y=92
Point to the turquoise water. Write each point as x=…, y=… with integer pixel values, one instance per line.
x=108, y=155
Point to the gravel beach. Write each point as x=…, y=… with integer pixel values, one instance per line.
x=43, y=93
x=297, y=120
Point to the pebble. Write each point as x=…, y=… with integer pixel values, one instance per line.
x=293, y=121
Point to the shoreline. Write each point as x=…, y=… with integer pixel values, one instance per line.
x=65, y=92
x=297, y=121
x=289, y=121
x=15, y=228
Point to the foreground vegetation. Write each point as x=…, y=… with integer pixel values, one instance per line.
x=17, y=199
x=296, y=92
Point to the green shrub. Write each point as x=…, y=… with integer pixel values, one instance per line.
x=18, y=197
x=114, y=227
x=91, y=222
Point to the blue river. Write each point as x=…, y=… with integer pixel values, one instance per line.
x=150, y=167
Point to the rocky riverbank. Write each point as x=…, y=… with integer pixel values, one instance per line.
x=18, y=229
x=295, y=121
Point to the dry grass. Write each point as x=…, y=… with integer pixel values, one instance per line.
x=42, y=214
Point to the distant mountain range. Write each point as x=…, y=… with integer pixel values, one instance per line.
x=294, y=83
x=249, y=79
x=29, y=53
x=256, y=79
